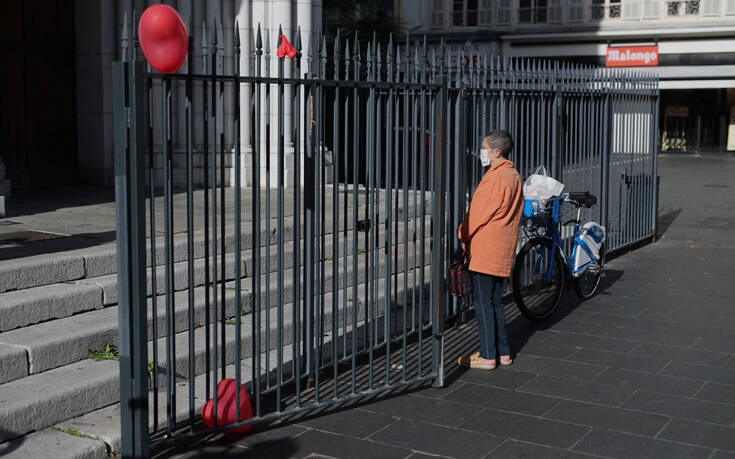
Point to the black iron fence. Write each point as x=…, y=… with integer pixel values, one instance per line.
x=318, y=276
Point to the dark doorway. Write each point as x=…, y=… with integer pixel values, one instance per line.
x=38, y=102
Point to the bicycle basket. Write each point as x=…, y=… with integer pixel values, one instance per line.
x=542, y=208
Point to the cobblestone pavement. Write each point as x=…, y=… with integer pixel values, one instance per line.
x=644, y=369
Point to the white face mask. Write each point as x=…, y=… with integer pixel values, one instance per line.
x=485, y=157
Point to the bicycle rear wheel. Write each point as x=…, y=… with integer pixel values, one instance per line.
x=587, y=282
x=537, y=298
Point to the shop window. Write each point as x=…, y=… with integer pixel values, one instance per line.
x=532, y=11
x=576, y=10
x=651, y=9
x=437, y=13
x=555, y=11
x=505, y=10
x=673, y=8
x=601, y=9
x=632, y=10
x=486, y=12
x=730, y=7
x=691, y=7
x=464, y=13
x=712, y=8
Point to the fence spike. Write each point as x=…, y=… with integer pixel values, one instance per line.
x=124, y=39
x=389, y=51
x=214, y=36
x=205, y=47
x=258, y=41
x=280, y=34
x=297, y=41
x=267, y=43
x=236, y=41
x=324, y=49
x=337, y=51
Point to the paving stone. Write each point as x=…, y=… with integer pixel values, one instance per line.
x=577, y=390
x=717, y=393
x=354, y=423
x=648, y=336
x=425, y=409
x=39, y=270
x=629, y=379
x=701, y=372
x=14, y=363
x=553, y=367
x=618, y=444
x=331, y=445
x=684, y=407
x=722, y=455
x=502, y=399
x=554, y=351
x=514, y=449
x=715, y=345
x=635, y=323
x=265, y=439
x=433, y=439
x=527, y=428
x=500, y=377
x=53, y=443
x=699, y=433
x=38, y=304
x=583, y=328
x=616, y=359
x=681, y=354
x=594, y=342
x=608, y=418
x=39, y=401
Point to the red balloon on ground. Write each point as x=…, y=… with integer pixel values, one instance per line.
x=226, y=407
x=163, y=37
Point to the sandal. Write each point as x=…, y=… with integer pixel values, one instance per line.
x=473, y=361
x=509, y=361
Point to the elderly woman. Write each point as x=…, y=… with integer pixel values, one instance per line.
x=490, y=232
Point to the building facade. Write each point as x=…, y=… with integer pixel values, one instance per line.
x=57, y=117
x=689, y=44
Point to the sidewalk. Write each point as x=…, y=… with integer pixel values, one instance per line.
x=644, y=369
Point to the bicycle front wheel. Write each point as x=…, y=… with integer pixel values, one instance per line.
x=537, y=283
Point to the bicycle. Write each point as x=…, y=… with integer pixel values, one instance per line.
x=541, y=269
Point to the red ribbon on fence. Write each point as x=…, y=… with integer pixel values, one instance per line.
x=285, y=48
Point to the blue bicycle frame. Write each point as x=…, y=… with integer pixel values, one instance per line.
x=547, y=216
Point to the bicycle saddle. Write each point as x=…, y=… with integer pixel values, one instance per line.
x=584, y=199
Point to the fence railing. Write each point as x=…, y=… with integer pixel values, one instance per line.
x=318, y=276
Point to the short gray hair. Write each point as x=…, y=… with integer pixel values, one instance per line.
x=502, y=140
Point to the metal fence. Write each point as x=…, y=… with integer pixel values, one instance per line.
x=323, y=280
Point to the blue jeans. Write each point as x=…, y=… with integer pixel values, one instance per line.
x=487, y=295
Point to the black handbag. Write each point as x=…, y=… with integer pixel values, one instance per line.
x=460, y=279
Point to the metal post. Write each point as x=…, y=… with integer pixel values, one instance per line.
x=129, y=134
x=437, y=253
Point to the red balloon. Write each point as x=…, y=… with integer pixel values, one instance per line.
x=163, y=37
x=226, y=407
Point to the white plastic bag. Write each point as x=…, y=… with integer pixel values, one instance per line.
x=593, y=235
x=540, y=186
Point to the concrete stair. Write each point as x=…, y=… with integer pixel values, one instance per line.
x=54, y=308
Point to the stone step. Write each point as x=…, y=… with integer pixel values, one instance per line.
x=63, y=341
x=34, y=305
x=55, y=441
x=44, y=269
x=268, y=264
x=20, y=308
x=42, y=400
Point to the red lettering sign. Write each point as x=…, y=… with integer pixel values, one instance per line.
x=631, y=56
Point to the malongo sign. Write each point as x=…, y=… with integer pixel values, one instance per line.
x=631, y=56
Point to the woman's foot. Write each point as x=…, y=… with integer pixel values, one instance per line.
x=476, y=362
x=505, y=360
